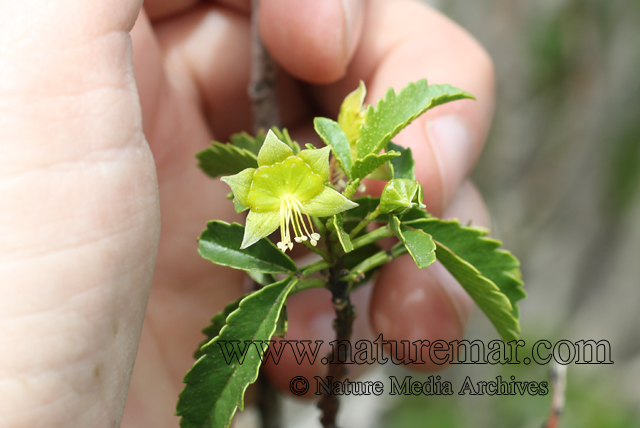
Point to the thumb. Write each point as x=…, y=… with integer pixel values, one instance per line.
x=313, y=40
x=78, y=212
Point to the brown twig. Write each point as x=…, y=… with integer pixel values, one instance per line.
x=262, y=87
x=262, y=93
x=343, y=325
x=558, y=385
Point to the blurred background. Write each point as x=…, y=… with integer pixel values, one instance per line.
x=561, y=176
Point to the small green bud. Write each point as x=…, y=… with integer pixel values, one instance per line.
x=400, y=195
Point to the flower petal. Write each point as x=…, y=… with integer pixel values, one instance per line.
x=318, y=161
x=240, y=184
x=273, y=150
x=327, y=203
x=258, y=226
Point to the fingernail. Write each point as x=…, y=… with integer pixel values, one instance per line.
x=451, y=143
x=352, y=10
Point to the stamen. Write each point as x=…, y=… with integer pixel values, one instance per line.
x=292, y=215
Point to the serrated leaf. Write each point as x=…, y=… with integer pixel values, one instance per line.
x=419, y=244
x=214, y=389
x=365, y=166
x=224, y=159
x=334, y=136
x=343, y=236
x=217, y=322
x=497, y=266
x=382, y=173
x=220, y=243
x=395, y=111
x=403, y=166
x=485, y=293
x=245, y=141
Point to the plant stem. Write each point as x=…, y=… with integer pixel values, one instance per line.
x=382, y=232
x=306, y=284
x=558, y=386
x=313, y=268
x=356, y=274
x=343, y=325
x=269, y=404
x=264, y=102
x=351, y=189
x=365, y=221
x=262, y=88
x=316, y=250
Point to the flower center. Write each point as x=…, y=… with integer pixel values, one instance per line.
x=291, y=213
x=291, y=176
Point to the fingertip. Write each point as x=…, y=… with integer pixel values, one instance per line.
x=312, y=40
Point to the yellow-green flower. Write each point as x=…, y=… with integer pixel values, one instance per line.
x=283, y=190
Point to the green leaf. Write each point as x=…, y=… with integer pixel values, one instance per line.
x=403, y=166
x=245, y=141
x=400, y=195
x=220, y=243
x=222, y=159
x=214, y=389
x=414, y=213
x=419, y=244
x=343, y=236
x=485, y=293
x=365, y=166
x=395, y=111
x=217, y=322
x=470, y=246
x=334, y=136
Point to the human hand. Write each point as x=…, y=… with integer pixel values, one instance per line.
x=79, y=218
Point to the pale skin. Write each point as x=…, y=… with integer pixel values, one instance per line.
x=101, y=111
